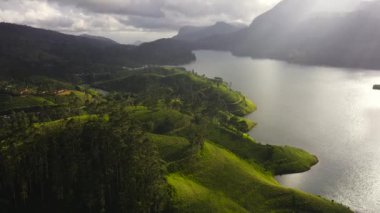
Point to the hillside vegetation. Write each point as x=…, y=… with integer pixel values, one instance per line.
x=162, y=139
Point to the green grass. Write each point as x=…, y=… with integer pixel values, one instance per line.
x=137, y=110
x=286, y=160
x=236, y=122
x=80, y=95
x=237, y=102
x=250, y=124
x=160, y=120
x=58, y=123
x=171, y=148
x=277, y=159
x=215, y=169
x=22, y=102
x=65, y=97
x=193, y=197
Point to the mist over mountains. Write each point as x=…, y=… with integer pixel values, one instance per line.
x=337, y=39
x=343, y=34
x=191, y=33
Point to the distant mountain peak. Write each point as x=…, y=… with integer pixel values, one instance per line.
x=100, y=38
x=193, y=33
x=222, y=24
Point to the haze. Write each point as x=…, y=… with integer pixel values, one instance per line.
x=135, y=21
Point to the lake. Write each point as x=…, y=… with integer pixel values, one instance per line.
x=330, y=112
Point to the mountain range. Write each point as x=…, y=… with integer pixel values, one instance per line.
x=296, y=31
x=192, y=33
x=292, y=31
x=27, y=51
x=349, y=39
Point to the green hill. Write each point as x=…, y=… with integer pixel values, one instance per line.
x=233, y=183
x=18, y=102
x=193, y=197
x=162, y=140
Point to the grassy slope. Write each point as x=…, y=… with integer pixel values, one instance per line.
x=221, y=172
x=277, y=159
x=8, y=103
x=160, y=120
x=171, y=148
x=58, y=123
x=217, y=180
x=199, y=198
x=23, y=102
x=250, y=124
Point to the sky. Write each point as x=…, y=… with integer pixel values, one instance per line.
x=129, y=21
x=136, y=21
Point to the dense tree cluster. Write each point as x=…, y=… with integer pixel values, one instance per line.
x=97, y=166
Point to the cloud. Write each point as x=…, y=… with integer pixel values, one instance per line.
x=138, y=19
x=236, y=10
x=124, y=17
x=31, y=12
x=57, y=17
x=149, y=8
x=202, y=12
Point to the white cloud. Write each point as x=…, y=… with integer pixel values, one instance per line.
x=151, y=8
x=35, y=13
x=128, y=20
x=238, y=10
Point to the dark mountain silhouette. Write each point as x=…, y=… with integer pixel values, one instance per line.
x=191, y=33
x=26, y=50
x=100, y=38
x=336, y=39
x=164, y=52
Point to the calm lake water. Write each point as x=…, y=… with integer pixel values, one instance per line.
x=330, y=112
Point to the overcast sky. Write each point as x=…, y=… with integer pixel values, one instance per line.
x=128, y=21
